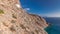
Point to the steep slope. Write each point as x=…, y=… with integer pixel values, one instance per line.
x=14, y=20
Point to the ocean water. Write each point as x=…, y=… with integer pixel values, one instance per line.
x=55, y=27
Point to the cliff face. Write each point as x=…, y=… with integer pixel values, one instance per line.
x=14, y=20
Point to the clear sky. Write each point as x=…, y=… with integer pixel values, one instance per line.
x=49, y=8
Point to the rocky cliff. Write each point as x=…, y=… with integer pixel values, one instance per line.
x=15, y=20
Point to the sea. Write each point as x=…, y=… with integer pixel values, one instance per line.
x=55, y=27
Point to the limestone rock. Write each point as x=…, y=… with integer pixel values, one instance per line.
x=15, y=20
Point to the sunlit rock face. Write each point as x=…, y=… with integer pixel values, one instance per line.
x=14, y=20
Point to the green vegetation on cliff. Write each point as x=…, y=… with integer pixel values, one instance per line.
x=1, y=11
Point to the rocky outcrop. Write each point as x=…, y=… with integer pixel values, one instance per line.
x=15, y=20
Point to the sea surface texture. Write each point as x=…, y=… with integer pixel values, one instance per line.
x=55, y=27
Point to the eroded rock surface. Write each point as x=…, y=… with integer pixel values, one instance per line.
x=15, y=20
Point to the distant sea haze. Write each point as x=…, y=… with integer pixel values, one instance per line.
x=55, y=28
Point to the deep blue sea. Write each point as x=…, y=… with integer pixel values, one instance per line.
x=55, y=27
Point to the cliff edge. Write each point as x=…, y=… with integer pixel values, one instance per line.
x=15, y=20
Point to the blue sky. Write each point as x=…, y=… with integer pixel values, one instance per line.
x=49, y=8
